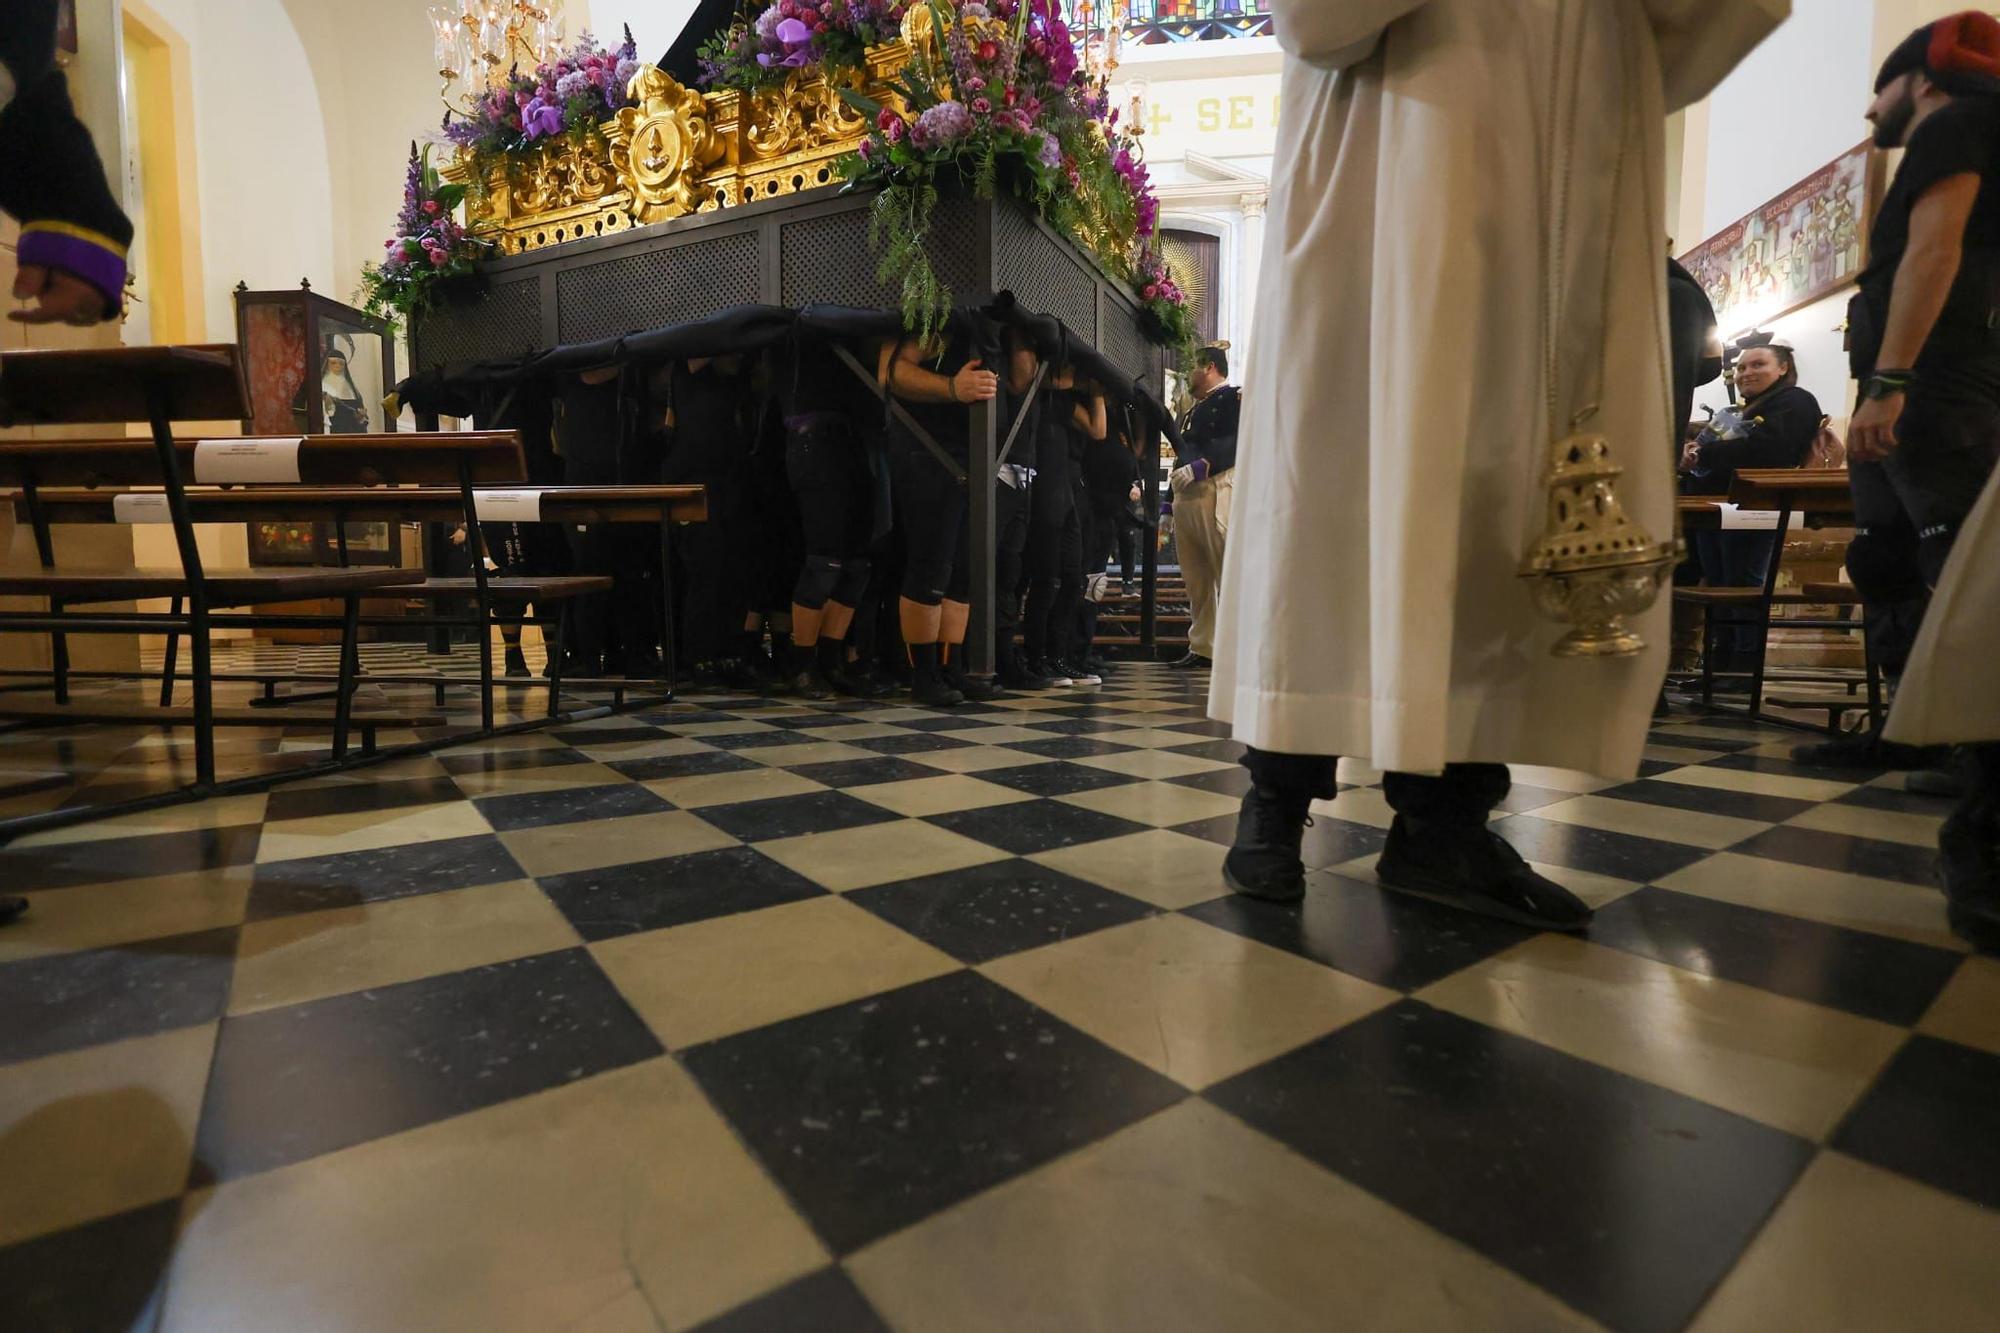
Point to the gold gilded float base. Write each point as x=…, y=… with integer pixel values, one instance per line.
x=677, y=152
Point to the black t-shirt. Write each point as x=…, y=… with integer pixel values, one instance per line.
x=710, y=437
x=1057, y=448
x=950, y=424
x=816, y=379
x=1110, y=471
x=1958, y=138
x=1026, y=450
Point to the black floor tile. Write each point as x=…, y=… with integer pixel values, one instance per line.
x=1205, y=727
x=651, y=895
x=1521, y=798
x=952, y=722
x=100, y=1276
x=1931, y=1116
x=67, y=1000
x=864, y=772
x=504, y=761
x=1597, y=850
x=1071, y=747
x=991, y=910
x=1627, y=1201
x=793, y=816
x=1058, y=778
x=1222, y=781
x=314, y=883
x=1709, y=800
x=390, y=1059
x=1855, y=970
x=689, y=715
x=756, y=740
x=1035, y=826
x=1895, y=798
x=64, y=865
x=573, y=805
x=1077, y=726
x=1785, y=768
x=916, y=742
x=1390, y=939
x=1840, y=851
x=1222, y=751
x=698, y=764
x=823, y=1302
x=881, y=1112
x=814, y=721
x=585, y=738
x=356, y=797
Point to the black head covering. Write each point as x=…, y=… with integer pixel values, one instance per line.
x=1959, y=53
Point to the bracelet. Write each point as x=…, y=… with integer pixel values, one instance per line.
x=1882, y=383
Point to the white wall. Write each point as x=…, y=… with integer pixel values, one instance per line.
x=655, y=23
x=267, y=199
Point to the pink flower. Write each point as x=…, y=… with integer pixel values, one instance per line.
x=988, y=52
x=431, y=207
x=895, y=129
x=867, y=150
x=981, y=107
x=439, y=259
x=808, y=15
x=975, y=84
x=1152, y=292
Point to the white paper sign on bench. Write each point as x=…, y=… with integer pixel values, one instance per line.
x=141, y=509
x=1737, y=519
x=247, y=461
x=508, y=506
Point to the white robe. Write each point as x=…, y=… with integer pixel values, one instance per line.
x=1948, y=695
x=1395, y=435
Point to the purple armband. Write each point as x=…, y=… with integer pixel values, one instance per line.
x=95, y=258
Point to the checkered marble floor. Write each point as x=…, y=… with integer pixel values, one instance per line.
x=750, y=1015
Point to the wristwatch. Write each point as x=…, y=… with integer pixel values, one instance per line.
x=1883, y=383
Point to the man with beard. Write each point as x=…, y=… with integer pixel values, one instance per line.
x=1924, y=341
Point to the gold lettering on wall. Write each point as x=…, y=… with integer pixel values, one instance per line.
x=1208, y=114
x=1240, y=109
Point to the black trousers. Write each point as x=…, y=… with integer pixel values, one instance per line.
x=1462, y=796
x=1908, y=509
x=1010, y=522
x=1734, y=559
x=716, y=561
x=1100, y=544
x=1054, y=568
x=624, y=623
x=930, y=510
x=833, y=482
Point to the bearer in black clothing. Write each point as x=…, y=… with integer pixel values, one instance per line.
x=1111, y=484
x=601, y=447
x=1924, y=340
x=836, y=472
x=705, y=405
x=1054, y=556
x=1012, y=504
x=937, y=386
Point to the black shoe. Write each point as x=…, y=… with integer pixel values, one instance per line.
x=1950, y=782
x=1192, y=662
x=830, y=664
x=1475, y=869
x=971, y=688
x=1095, y=664
x=517, y=663
x=1051, y=671
x=1265, y=860
x=736, y=674
x=808, y=685
x=1867, y=750
x=927, y=683
x=1020, y=676
x=11, y=909
x=1079, y=674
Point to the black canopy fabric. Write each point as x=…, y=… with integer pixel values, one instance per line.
x=452, y=390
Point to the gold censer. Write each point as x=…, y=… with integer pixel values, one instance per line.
x=1594, y=566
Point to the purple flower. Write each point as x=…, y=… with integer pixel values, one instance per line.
x=1050, y=152
x=573, y=84
x=541, y=120
x=627, y=68
x=945, y=122
x=767, y=23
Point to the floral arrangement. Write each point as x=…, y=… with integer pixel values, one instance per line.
x=430, y=247
x=760, y=52
x=1004, y=103
x=570, y=95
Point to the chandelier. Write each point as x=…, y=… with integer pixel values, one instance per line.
x=479, y=41
x=1101, y=24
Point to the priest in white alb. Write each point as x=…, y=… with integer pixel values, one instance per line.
x=1465, y=263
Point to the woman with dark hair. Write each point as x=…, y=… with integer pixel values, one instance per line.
x=1774, y=426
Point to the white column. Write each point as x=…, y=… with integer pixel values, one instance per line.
x=1249, y=263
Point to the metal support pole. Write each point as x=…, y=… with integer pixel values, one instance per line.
x=160, y=409
x=983, y=522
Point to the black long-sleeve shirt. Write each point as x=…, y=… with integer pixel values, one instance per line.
x=1781, y=427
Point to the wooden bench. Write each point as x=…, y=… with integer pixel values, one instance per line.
x=1822, y=495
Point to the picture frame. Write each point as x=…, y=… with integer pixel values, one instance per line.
x=1797, y=248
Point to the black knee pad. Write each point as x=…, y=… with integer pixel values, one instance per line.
x=817, y=581
x=1882, y=571
x=925, y=582
x=852, y=585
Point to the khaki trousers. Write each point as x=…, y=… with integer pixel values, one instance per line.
x=1201, y=529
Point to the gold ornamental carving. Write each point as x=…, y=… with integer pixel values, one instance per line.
x=677, y=152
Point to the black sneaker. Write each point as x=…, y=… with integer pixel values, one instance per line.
x=1192, y=662
x=1265, y=860
x=808, y=685
x=11, y=909
x=1020, y=676
x=1475, y=869
x=1969, y=869
x=1096, y=664
x=929, y=688
x=1053, y=672
x=1866, y=750
x=1079, y=675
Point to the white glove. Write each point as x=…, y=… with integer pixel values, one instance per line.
x=1181, y=478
